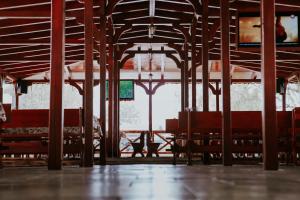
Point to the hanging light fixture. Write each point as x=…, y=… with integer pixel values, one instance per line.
x=151, y=31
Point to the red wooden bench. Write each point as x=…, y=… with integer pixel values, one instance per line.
x=296, y=134
x=21, y=142
x=246, y=132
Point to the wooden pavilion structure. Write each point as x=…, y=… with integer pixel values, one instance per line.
x=38, y=36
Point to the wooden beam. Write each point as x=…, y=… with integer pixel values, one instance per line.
x=56, y=117
x=287, y=3
x=172, y=6
x=89, y=83
x=269, y=122
x=46, y=41
x=147, y=20
x=226, y=83
x=42, y=11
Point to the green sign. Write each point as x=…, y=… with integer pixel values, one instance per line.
x=126, y=90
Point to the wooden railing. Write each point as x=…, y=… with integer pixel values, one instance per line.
x=131, y=136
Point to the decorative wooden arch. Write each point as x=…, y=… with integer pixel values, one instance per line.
x=113, y=3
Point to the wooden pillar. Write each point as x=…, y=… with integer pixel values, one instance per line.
x=89, y=83
x=115, y=105
x=186, y=74
x=284, y=96
x=118, y=119
x=217, y=96
x=189, y=137
x=182, y=74
x=269, y=122
x=2, y=78
x=102, y=51
x=226, y=83
x=1, y=102
x=205, y=73
x=118, y=111
x=56, y=114
x=111, y=102
x=194, y=67
x=150, y=104
x=83, y=99
x=205, y=56
x=116, y=108
x=16, y=96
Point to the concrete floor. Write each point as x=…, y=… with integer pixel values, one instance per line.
x=150, y=182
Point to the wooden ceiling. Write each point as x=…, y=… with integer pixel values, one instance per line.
x=25, y=31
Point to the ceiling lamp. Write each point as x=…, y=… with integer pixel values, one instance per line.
x=151, y=31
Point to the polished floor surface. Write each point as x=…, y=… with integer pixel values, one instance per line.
x=150, y=182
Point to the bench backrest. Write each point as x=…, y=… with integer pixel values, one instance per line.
x=241, y=120
x=247, y=120
x=40, y=118
x=296, y=117
x=206, y=121
x=172, y=125
x=284, y=119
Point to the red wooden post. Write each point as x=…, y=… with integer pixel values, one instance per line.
x=56, y=115
x=116, y=109
x=226, y=83
x=205, y=73
x=115, y=104
x=205, y=58
x=83, y=99
x=1, y=101
x=189, y=137
x=2, y=78
x=284, y=96
x=111, y=102
x=150, y=93
x=102, y=51
x=194, y=67
x=269, y=122
x=217, y=96
x=150, y=105
x=16, y=97
x=118, y=101
x=186, y=74
x=89, y=83
x=182, y=72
